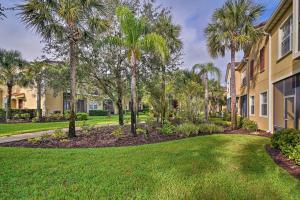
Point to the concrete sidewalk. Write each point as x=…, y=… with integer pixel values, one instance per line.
x=14, y=138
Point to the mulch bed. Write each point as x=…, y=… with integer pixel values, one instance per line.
x=246, y=132
x=99, y=137
x=281, y=160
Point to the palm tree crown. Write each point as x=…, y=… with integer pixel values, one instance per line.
x=232, y=26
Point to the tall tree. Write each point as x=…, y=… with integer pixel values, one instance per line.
x=135, y=39
x=204, y=70
x=232, y=28
x=64, y=20
x=2, y=12
x=11, y=66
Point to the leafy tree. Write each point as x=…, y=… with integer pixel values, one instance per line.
x=204, y=70
x=216, y=96
x=232, y=29
x=2, y=12
x=136, y=41
x=188, y=91
x=40, y=74
x=162, y=23
x=11, y=73
x=61, y=21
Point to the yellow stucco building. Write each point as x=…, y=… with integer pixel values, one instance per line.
x=268, y=78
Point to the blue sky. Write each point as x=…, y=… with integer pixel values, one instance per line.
x=192, y=15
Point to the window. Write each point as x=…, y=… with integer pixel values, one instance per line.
x=93, y=106
x=251, y=69
x=264, y=104
x=286, y=37
x=262, y=59
x=244, y=79
x=252, y=105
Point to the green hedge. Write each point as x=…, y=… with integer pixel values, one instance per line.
x=18, y=112
x=288, y=142
x=98, y=113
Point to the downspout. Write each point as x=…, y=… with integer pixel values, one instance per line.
x=270, y=88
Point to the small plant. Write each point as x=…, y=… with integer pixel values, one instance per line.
x=35, y=120
x=58, y=133
x=82, y=116
x=167, y=128
x=210, y=129
x=35, y=140
x=187, y=129
x=64, y=140
x=140, y=131
x=249, y=125
x=118, y=132
x=86, y=128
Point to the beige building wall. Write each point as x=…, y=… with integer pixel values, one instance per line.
x=260, y=81
x=282, y=67
x=52, y=102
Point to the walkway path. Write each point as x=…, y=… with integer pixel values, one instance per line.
x=25, y=136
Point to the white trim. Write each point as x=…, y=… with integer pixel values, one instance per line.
x=294, y=72
x=296, y=49
x=260, y=104
x=271, y=89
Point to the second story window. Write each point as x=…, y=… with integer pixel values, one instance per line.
x=262, y=59
x=251, y=69
x=244, y=78
x=286, y=37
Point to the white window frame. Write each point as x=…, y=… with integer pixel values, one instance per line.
x=252, y=103
x=287, y=20
x=296, y=31
x=93, y=106
x=260, y=104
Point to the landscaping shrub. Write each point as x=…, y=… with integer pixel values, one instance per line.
x=187, y=129
x=55, y=117
x=167, y=128
x=239, y=121
x=210, y=128
x=2, y=115
x=58, y=133
x=227, y=116
x=220, y=122
x=249, y=125
x=288, y=142
x=81, y=116
x=86, y=128
x=98, y=113
x=118, y=132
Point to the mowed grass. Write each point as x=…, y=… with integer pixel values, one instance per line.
x=209, y=167
x=13, y=129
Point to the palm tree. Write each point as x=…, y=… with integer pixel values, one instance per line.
x=204, y=71
x=63, y=20
x=232, y=29
x=11, y=65
x=1, y=12
x=135, y=40
x=36, y=75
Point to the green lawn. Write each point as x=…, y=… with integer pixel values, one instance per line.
x=13, y=129
x=209, y=167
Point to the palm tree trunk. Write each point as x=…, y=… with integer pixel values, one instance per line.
x=73, y=62
x=163, y=97
x=233, y=90
x=8, y=108
x=38, y=100
x=119, y=101
x=206, y=97
x=133, y=94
